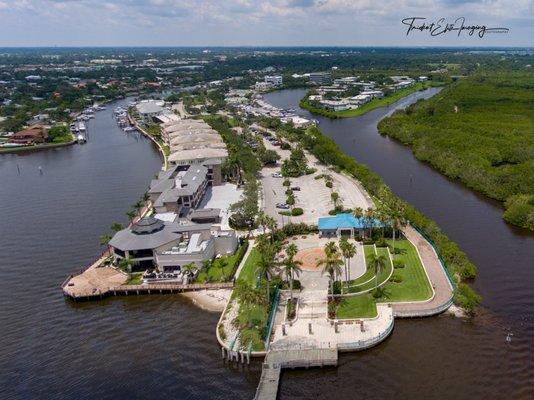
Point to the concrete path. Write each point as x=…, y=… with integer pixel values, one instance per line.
x=443, y=291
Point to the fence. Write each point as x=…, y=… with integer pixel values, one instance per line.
x=270, y=320
x=364, y=344
x=436, y=250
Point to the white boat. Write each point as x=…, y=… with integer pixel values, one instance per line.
x=81, y=127
x=81, y=139
x=129, y=129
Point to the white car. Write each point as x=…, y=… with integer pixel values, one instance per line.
x=276, y=175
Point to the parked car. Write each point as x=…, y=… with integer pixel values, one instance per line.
x=276, y=175
x=296, y=188
x=282, y=205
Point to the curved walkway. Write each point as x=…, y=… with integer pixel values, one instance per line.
x=442, y=288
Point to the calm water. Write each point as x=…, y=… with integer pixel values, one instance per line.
x=439, y=357
x=145, y=347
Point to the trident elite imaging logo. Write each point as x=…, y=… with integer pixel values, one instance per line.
x=442, y=27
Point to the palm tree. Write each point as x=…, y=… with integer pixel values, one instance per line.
x=223, y=262
x=126, y=264
x=397, y=220
x=348, y=250
x=369, y=216
x=146, y=197
x=189, y=268
x=261, y=220
x=265, y=268
x=383, y=218
x=377, y=262
x=272, y=225
x=330, y=248
x=247, y=295
x=206, y=265
x=331, y=265
x=115, y=227
x=138, y=205
x=131, y=215
x=291, y=266
x=104, y=240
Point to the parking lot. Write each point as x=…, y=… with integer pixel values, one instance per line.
x=314, y=196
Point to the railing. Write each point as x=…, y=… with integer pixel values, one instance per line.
x=272, y=313
x=436, y=250
x=364, y=344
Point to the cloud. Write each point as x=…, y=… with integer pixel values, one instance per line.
x=234, y=22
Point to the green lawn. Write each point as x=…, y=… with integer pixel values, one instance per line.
x=135, y=278
x=248, y=273
x=215, y=272
x=366, y=281
x=362, y=306
x=413, y=287
x=373, y=104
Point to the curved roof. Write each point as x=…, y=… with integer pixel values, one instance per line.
x=147, y=225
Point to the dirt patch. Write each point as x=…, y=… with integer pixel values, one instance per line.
x=310, y=257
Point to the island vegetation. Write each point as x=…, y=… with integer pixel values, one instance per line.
x=480, y=130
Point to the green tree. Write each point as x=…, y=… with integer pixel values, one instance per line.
x=104, y=240
x=291, y=266
x=348, y=250
x=115, y=227
x=377, y=262
x=331, y=265
x=126, y=264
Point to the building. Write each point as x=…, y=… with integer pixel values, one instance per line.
x=336, y=105
x=168, y=246
x=149, y=109
x=345, y=225
x=275, y=80
x=33, y=135
x=321, y=78
x=179, y=189
x=263, y=86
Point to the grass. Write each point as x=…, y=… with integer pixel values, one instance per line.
x=362, y=306
x=248, y=273
x=413, y=287
x=135, y=278
x=215, y=272
x=373, y=104
x=367, y=281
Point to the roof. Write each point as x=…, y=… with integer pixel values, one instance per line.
x=197, y=154
x=345, y=221
x=205, y=213
x=127, y=239
x=148, y=107
x=147, y=225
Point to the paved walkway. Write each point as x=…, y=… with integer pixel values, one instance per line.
x=443, y=291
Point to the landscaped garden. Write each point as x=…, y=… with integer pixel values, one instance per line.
x=408, y=282
x=221, y=269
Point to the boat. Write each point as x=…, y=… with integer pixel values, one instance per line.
x=81, y=139
x=129, y=129
x=81, y=127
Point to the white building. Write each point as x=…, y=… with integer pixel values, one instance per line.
x=276, y=80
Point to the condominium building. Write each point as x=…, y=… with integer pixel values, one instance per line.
x=321, y=78
x=275, y=80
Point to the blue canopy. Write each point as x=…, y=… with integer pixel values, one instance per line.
x=345, y=221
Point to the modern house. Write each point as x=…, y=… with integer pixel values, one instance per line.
x=168, y=246
x=345, y=225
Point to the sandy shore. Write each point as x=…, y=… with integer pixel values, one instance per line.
x=211, y=300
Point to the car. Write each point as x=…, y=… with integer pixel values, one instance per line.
x=282, y=205
x=276, y=175
x=296, y=188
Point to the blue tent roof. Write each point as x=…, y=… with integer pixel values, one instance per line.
x=345, y=221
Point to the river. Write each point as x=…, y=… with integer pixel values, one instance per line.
x=120, y=348
x=439, y=357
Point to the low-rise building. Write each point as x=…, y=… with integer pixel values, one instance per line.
x=32, y=135
x=149, y=109
x=321, y=78
x=168, y=246
x=345, y=225
x=275, y=80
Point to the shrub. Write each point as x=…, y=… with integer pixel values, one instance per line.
x=297, y=211
x=466, y=298
x=297, y=285
x=288, y=192
x=398, y=264
x=337, y=287
x=285, y=146
x=381, y=243
x=396, y=278
x=329, y=184
x=286, y=182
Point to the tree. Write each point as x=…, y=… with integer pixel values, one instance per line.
x=146, y=197
x=377, y=262
x=223, y=262
x=291, y=266
x=348, y=250
x=189, y=268
x=126, y=264
x=369, y=217
x=104, y=240
x=331, y=265
x=330, y=248
x=138, y=205
x=265, y=269
x=397, y=219
x=131, y=215
x=335, y=198
x=115, y=227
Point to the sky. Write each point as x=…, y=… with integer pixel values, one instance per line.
x=257, y=23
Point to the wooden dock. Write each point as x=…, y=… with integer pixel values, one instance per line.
x=299, y=358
